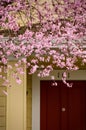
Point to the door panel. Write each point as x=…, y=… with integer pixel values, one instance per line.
x=75, y=109
x=77, y=106
x=62, y=108
x=43, y=99
x=50, y=111
x=53, y=111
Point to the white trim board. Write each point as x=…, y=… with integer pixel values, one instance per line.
x=72, y=75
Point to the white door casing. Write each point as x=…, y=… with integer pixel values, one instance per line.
x=71, y=75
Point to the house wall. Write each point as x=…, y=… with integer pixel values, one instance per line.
x=16, y=101
x=71, y=75
x=3, y=105
x=14, y=113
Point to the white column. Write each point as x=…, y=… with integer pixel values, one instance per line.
x=16, y=102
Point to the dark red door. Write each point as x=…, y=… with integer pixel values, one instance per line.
x=62, y=108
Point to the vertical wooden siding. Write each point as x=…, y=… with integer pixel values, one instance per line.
x=16, y=100
x=2, y=105
x=29, y=102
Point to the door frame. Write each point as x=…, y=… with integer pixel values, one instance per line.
x=71, y=75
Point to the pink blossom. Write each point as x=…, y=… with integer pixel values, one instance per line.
x=0, y=70
x=52, y=77
x=18, y=80
x=33, y=69
x=4, y=60
x=16, y=64
x=84, y=60
x=24, y=60
x=5, y=92
x=0, y=76
x=54, y=83
x=8, y=53
x=64, y=75
x=20, y=70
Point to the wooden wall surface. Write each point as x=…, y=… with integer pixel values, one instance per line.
x=3, y=106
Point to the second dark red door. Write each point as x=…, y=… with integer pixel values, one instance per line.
x=62, y=108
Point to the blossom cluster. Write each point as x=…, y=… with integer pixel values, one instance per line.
x=43, y=35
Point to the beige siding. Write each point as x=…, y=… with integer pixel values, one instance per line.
x=2, y=121
x=3, y=99
x=2, y=111
x=16, y=101
x=2, y=128
x=29, y=102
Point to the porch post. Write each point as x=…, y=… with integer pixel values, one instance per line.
x=16, y=102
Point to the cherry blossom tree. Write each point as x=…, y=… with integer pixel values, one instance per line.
x=43, y=35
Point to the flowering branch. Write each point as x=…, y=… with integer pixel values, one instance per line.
x=54, y=34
